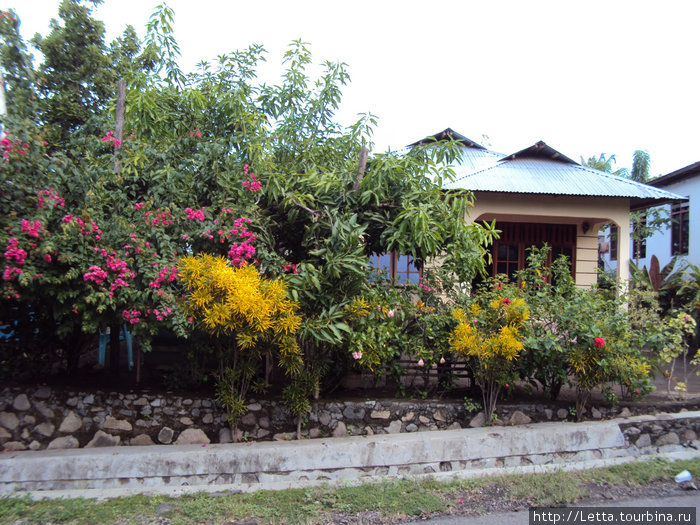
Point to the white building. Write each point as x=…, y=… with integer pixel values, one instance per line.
x=680, y=238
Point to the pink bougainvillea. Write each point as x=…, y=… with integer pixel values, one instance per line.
x=109, y=137
x=195, y=215
x=253, y=184
x=14, y=253
x=31, y=228
x=52, y=195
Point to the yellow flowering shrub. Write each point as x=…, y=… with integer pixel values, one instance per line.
x=488, y=337
x=247, y=315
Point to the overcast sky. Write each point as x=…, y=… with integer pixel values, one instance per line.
x=586, y=77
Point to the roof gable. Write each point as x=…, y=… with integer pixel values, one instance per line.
x=540, y=169
x=448, y=134
x=540, y=150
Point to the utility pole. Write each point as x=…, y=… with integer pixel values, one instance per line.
x=116, y=328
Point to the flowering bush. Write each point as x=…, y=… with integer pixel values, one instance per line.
x=247, y=315
x=488, y=335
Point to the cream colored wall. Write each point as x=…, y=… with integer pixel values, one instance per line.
x=559, y=209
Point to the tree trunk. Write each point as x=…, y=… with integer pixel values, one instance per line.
x=114, y=349
x=72, y=349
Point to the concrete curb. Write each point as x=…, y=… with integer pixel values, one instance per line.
x=117, y=471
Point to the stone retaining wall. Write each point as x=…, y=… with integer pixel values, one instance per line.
x=255, y=466
x=42, y=417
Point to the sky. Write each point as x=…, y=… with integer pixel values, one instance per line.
x=586, y=77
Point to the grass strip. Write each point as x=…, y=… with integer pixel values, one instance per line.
x=390, y=499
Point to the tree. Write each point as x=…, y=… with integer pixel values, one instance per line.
x=643, y=223
x=213, y=162
x=604, y=163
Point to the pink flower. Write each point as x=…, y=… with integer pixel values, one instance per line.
x=686, y=318
x=253, y=184
x=47, y=257
x=599, y=342
x=506, y=301
x=421, y=362
x=357, y=355
x=390, y=313
x=442, y=360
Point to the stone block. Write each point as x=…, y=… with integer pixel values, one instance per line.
x=643, y=440
x=519, y=418
x=340, y=430
x=192, y=436
x=71, y=423
x=141, y=440
x=248, y=420
x=102, y=439
x=225, y=435
x=165, y=435
x=21, y=403
x=394, y=427
x=63, y=443
x=380, y=414
x=118, y=425
x=8, y=420
x=478, y=420
x=667, y=439
x=14, y=446
x=44, y=429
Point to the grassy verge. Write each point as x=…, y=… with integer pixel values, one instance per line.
x=390, y=499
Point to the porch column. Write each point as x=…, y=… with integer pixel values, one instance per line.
x=623, y=253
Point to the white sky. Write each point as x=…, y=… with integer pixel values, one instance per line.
x=586, y=77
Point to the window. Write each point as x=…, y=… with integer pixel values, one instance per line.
x=401, y=269
x=680, y=217
x=613, y=242
x=510, y=251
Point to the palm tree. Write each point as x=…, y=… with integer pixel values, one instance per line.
x=606, y=164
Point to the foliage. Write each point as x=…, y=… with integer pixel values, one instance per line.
x=488, y=335
x=604, y=163
x=549, y=331
x=582, y=335
x=678, y=330
x=247, y=315
x=93, y=226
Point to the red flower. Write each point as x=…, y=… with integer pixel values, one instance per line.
x=599, y=342
x=506, y=301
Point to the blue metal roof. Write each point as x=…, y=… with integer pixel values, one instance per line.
x=541, y=169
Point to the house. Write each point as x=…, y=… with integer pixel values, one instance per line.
x=538, y=195
x=675, y=240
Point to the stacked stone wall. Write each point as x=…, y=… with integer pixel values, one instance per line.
x=42, y=417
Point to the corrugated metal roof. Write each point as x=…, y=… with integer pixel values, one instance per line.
x=475, y=159
x=542, y=170
x=692, y=170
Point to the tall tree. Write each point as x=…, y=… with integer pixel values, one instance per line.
x=641, y=163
